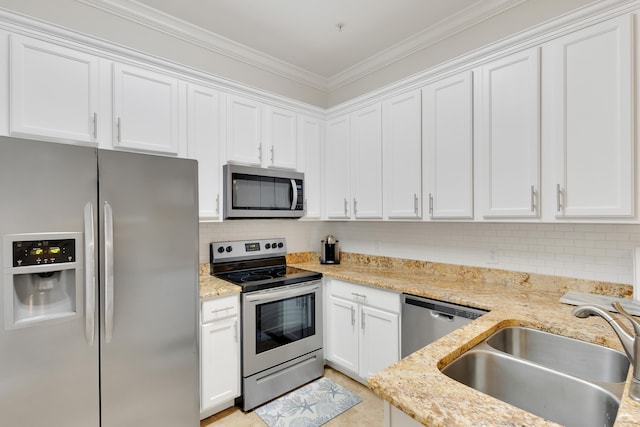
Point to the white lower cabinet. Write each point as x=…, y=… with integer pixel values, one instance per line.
x=362, y=329
x=394, y=417
x=219, y=354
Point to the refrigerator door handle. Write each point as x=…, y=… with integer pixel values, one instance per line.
x=108, y=272
x=90, y=274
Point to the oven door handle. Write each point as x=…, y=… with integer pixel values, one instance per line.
x=276, y=295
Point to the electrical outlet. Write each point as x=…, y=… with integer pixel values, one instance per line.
x=494, y=256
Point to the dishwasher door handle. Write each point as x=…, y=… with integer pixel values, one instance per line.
x=441, y=316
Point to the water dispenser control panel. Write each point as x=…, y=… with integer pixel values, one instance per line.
x=41, y=252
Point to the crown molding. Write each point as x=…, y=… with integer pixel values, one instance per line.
x=466, y=18
x=174, y=27
x=167, y=24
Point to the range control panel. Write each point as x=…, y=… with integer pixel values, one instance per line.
x=247, y=249
x=40, y=252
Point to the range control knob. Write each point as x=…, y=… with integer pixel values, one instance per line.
x=280, y=245
x=267, y=246
x=274, y=245
x=229, y=249
x=220, y=249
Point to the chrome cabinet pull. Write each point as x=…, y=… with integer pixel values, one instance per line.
x=235, y=330
x=355, y=206
x=90, y=274
x=353, y=316
x=119, y=129
x=558, y=195
x=108, y=272
x=346, y=203
x=222, y=309
x=362, y=319
x=218, y=204
x=260, y=152
x=415, y=203
x=430, y=204
x=533, y=199
x=272, y=162
x=95, y=125
x=363, y=296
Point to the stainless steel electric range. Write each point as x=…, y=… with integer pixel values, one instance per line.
x=281, y=317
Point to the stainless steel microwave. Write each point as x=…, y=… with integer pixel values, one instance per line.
x=252, y=192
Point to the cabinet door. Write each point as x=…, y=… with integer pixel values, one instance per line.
x=342, y=334
x=402, y=144
x=54, y=91
x=447, y=130
x=366, y=162
x=281, y=138
x=311, y=142
x=509, y=143
x=244, y=121
x=336, y=168
x=145, y=110
x=220, y=362
x=379, y=340
x=593, y=101
x=203, y=139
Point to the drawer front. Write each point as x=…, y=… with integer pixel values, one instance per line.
x=362, y=294
x=220, y=308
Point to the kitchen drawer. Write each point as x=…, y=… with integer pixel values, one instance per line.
x=362, y=294
x=220, y=308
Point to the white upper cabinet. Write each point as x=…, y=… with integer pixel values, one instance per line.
x=281, y=138
x=244, y=131
x=447, y=132
x=402, y=160
x=310, y=131
x=203, y=141
x=508, y=123
x=54, y=91
x=336, y=169
x=366, y=162
x=591, y=73
x=146, y=109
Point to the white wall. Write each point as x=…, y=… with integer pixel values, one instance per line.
x=587, y=251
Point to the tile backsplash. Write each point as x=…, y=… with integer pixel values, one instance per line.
x=585, y=251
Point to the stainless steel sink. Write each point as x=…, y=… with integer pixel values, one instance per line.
x=548, y=375
x=584, y=360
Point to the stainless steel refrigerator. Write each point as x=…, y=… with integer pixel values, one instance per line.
x=98, y=288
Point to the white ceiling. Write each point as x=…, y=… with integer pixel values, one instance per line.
x=300, y=38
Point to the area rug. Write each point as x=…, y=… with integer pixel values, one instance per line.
x=309, y=406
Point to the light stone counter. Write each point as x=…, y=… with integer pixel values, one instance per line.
x=416, y=385
x=211, y=287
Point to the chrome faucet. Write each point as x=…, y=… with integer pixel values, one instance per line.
x=630, y=342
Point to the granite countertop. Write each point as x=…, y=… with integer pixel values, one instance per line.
x=415, y=384
x=211, y=287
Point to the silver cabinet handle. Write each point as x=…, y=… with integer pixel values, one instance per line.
x=95, y=125
x=362, y=319
x=415, y=203
x=272, y=155
x=221, y=309
x=558, y=195
x=345, y=206
x=353, y=316
x=430, y=204
x=363, y=296
x=108, y=272
x=218, y=204
x=235, y=330
x=89, y=274
x=533, y=199
x=260, y=152
x=119, y=129
x=355, y=207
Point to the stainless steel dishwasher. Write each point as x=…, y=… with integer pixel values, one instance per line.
x=425, y=320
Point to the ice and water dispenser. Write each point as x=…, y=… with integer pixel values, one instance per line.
x=43, y=276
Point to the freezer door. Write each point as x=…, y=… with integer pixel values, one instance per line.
x=48, y=365
x=149, y=290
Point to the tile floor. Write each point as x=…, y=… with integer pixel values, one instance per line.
x=368, y=413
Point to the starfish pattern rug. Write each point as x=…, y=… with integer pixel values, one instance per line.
x=309, y=406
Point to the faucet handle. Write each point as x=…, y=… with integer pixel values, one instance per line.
x=625, y=313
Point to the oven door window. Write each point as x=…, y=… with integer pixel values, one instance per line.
x=261, y=192
x=281, y=322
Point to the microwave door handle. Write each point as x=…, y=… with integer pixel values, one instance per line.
x=294, y=199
